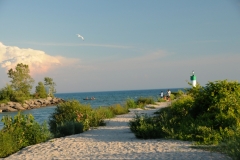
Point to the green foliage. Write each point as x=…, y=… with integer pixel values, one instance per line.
x=21, y=79
x=6, y=93
x=161, y=100
x=69, y=111
x=130, y=103
x=139, y=103
x=19, y=96
x=50, y=85
x=206, y=115
x=144, y=127
x=21, y=131
x=70, y=128
x=144, y=100
x=72, y=113
x=231, y=146
x=118, y=109
x=40, y=91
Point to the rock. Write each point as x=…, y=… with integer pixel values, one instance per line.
x=7, y=108
x=30, y=104
x=10, y=103
x=18, y=106
x=26, y=106
x=49, y=98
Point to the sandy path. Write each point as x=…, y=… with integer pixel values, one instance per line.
x=113, y=141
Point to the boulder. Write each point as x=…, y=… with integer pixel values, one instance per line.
x=49, y=98
x=26, y=106
x=18, y=106
x=10, y=103
x=7, y=108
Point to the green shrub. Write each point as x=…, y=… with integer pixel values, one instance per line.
x=144, y=100
x=206, y=115
x=232, y=146
x=6, y=93
x=161, y=99
x=145, y=127
x=139, y=103
x=69, y=111
x=118, y=109
x=70, y=128
x=172, y=96
x=19, y=132
x=130, y=103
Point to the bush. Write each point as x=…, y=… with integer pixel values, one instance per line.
x=206, y=115
x=118, y=109
x=232, y=146
x=69, y=111
x=21, y=131
x=6, y=94
x=144, y=100
x=139, y=103
x=130, y=103
x=70, y=128
x=161, y=100
x=145, y=127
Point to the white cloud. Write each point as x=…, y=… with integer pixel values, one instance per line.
x=38, y=61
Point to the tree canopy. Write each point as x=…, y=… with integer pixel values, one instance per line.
x=50, y=86
x=21, y=79
x=21, y=85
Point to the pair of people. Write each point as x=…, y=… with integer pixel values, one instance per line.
x=168, y=94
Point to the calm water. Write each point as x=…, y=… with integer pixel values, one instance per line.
x=101, y=99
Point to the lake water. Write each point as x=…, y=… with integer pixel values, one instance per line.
x=105, y=98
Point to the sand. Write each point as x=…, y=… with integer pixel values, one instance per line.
x=114, y=141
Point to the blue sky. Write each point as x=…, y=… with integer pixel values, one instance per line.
x=127, y=44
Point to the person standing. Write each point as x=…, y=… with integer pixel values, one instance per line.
x=168, y=94
x=161, y=94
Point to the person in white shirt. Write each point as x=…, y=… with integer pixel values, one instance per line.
x=168, y=94
x=161, y=95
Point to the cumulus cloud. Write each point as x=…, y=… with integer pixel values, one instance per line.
x=38, y=61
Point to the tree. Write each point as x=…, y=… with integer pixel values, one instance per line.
x=50, y=86
x=40, y=90
x=21, y=80
x=6, y=93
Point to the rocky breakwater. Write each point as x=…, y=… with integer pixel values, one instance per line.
x=29, y=104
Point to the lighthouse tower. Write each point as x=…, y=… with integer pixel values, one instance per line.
x=193, y=79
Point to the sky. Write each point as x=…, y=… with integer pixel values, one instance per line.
x=128, y=45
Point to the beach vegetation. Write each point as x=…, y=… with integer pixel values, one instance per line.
x=159, y=99
x=117, y=110
x=207, y=115
x=69, y=114
x=139, y=103
x=21, y=131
